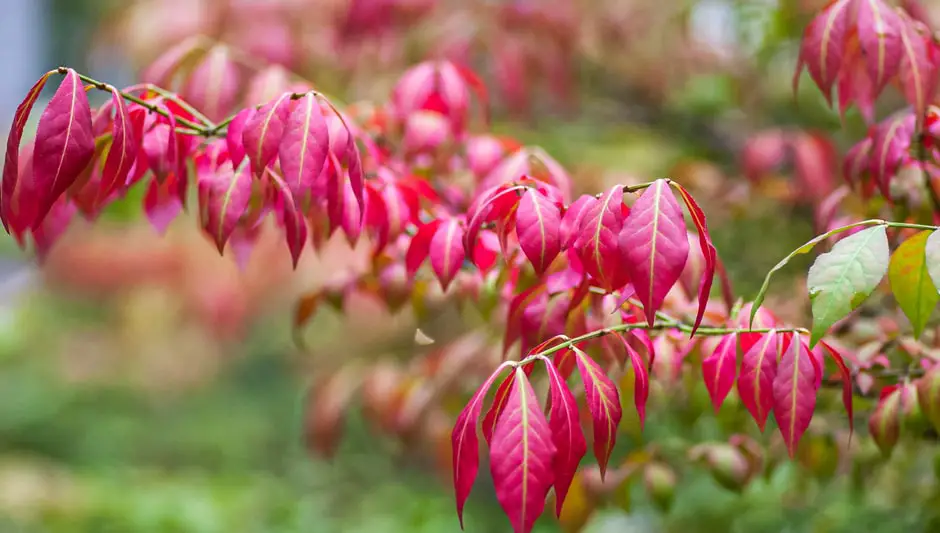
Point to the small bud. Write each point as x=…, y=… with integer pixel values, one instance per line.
x=885, y=422
x=660, y=482
x=928, y=396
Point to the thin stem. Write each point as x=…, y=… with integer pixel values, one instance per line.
x=173, y=97
x=153, y=108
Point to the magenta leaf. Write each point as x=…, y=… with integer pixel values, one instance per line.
x=420, y=246
x=655, y=245
x=263, y=132
x=708, y=251
x=597, y=244
x=123, y=151
x=465, y=444
x=521, y=456
x=795, y=392
x=719, y=368
x=65, y=143
x=758, y=370
x=603, y=402
x=538, y=223
x=304, y=147
x=447, y=252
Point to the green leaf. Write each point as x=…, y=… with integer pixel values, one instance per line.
x=841, y=279
x=911, y=283
x=932, y=257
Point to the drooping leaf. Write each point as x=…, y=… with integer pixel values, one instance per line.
x=879, y=32
x=538, y=225
x=841, y=279
x=708, y=252
x=499, y=403
x=603, y=401
x=465, y=444
x=758, y=370
x=420, y=246
x=162, y=203
x=11, y=158
x=228, y=193
x=212, y=87
x=719, y=369
x=641, y=381
x=932, y=258
x=123, y=151
x=918, y=70
x=304, y=147
x=823, y=44
x=795, y=392
x=597, y=243
x=911, y=283
x=234, y=135
x=565, y=423
x=521, y=456
x=447, y=252
x=655, y=245
x=65, y=143
x=263, y=132
x=847, y=391
x=891, y=141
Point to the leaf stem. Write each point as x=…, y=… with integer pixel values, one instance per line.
x=204, y=130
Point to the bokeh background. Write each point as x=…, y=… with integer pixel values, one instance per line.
x=149, y=386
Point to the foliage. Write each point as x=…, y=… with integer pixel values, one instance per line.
x=572, y=284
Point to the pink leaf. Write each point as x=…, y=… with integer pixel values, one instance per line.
x=603, y=402
x=880, y=36
x=538, y=221
x=228, y=193
x=263, y=132
x=304, y=146
x=162, y=203
x=795, y=392
x=641, y=380
x=655, y=246
x=708, y=251
x=565, y=423
x=123, y=151
x=212, y=86
x=823, y=45
x=11, y=162
x=420, y=246
x=758, y=370
x=447, y=252
x=65, y=144
x=521, y=456
x=465, y=444
x=719, y=368
x=847, y=392
x=235, y=133
x=597, y=240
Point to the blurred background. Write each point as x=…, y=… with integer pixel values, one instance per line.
x=149, y=385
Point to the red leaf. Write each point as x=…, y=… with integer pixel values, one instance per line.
x=603, y=401
x=212, y=86
x=11, y=160
x=655, y=246
x=538, y=222
x=496, y=409
x=847, y=393
x=879, y=32
x=304, y=146
x=235, y=133
x=795, y=392
x=420, y=246
x=890, y=144
x=918, y=72
x=465, y=444
x=571, y=221
x=490, y=206
x=823, y=45
x=565, y=423
x=263, y=132
x=521, y=456
x=162, y=203
x=295, y=225
x=641, y=380
x=719, y=368
x=65, y=143
x=53, y=226
x=708, y=251
x=123, y=151
x=447, y=252
x=758, y=370
x=228, y=193
x=597, y=240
